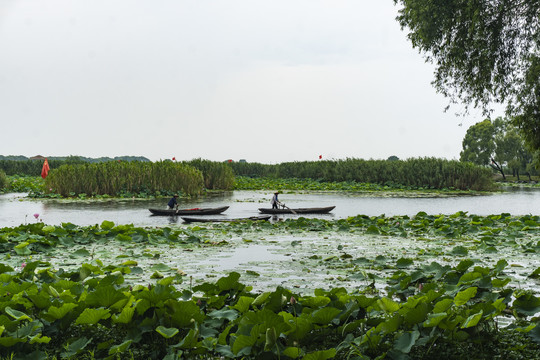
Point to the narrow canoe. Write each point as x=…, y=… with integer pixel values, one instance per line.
x=196, y=211
x=317, y=210
x=252, y=218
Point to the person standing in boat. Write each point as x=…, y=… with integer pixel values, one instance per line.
x=275, y=202
x=173, y=202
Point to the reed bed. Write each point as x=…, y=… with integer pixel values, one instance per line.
x=113, y=178
x=3, y=180
x=217, y=175
x=428, y=173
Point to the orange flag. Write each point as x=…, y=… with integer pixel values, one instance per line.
x=45, y=169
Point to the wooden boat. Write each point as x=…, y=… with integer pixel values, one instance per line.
x=252, y=218
x=316, y=210
x=195, y=211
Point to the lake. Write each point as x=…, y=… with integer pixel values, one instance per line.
x=15, y=209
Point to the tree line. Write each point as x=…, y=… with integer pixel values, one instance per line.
x=500, y=145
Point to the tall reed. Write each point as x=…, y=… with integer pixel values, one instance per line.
x=114, y=178
x=217, y=175
x=418, y=172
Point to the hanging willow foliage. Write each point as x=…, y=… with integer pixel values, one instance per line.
x=114, y=177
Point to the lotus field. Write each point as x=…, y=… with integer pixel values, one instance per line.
x=421, y=287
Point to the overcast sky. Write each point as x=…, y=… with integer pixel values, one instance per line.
x=265, y=81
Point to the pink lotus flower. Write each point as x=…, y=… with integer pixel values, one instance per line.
x=36, y=215
x=23, y=265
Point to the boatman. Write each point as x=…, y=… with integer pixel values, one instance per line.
x=275, y=202
x=173, y=202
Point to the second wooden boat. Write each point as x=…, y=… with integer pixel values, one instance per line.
x=252, y=218
x=315, y=210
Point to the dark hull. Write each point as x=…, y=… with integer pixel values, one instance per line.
x=319, y=210
x=252, y=218
x=202, y=211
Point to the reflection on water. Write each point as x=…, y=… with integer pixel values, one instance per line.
x=16, y=210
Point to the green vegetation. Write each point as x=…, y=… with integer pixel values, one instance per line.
x=499, y=145
x=217, y=175
x=117, y=178
x=483, y=54
x=20, y=184
x=248, y=183
x=412, y=308
x=445, y=301
x=3, y=181
x=20, y=165
x=427, y=173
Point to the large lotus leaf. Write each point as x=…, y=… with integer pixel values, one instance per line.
x=261, y=299
x=105, y=296
x=406, y=341
x=167, y=333
x=464, y=265
x=5, y=268
x=463, y=296
x=22, y=248
x=388, y=305
x=183, y=312
x=55, y=313
x=120, y=348
x=300, y=327
x=92, y=316
x=224, y=314
x=472, y=320
x=459, y=251
x=434, y=319
x=189, y=341
x=123, y=237
x=469, y=278
x=391, y=324
x=75, y=347
x=125, y=315
x=527, y=304
x=315, y=301
x=243, y=303
x=229, y=282
x=107, y=225
x=243, y=343
x=416, y=315
x=16, y=314
x=325, y=315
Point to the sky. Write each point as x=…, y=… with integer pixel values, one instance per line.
x=265, y=81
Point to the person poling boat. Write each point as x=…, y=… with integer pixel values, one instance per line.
x=275, y=202
x=173, y=202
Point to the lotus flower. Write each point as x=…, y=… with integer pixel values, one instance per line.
x=36, y=215
x=23, y=265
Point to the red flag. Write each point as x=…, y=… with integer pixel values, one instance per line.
x=320, y=157
x=45, y=169
x=174, y=158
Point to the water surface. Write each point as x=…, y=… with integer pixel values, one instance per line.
x=15, y=209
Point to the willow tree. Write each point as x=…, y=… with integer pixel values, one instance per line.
x=484, y=51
